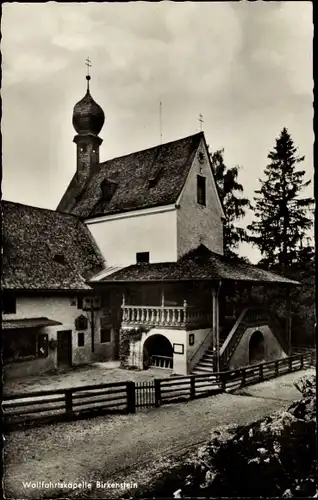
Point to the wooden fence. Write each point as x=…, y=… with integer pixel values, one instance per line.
x=126, y=397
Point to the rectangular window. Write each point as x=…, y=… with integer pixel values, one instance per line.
x=8, y=303
x=142, y=257
x=105, y=335
x=201, y=190
x=80, y=339
x=80, y=302
x=22, y=345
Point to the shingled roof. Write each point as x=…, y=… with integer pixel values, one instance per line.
x=45, y=250
x=198, y=264
x=145, y=179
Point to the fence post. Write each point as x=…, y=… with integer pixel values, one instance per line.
x=261, y=374
x=243, y=377
x=222, y=381
x=68, y=402
x=157, y=393
x=312, y=358
x=276, y=368
x=192, y=387
x=290, y=364
x=131, y=397
x=301, y=361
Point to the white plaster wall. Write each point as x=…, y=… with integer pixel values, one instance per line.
x=174, y=336
x=181, y=362
x=198, y=224
x=121, y=238
x=272, y=348
x=34, y=366
x=58, y=308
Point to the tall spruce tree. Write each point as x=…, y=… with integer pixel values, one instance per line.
x=235, y=205
x=282, y=217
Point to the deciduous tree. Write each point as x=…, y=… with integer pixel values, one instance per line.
x=235, y=205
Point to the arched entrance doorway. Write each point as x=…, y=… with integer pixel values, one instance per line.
x=157, y=352
x=256, y=348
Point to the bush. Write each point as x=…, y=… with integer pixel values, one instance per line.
x=274, y=457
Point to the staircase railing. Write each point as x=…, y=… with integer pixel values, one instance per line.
x=233, y=338
x=250, y=317
x=277, y=331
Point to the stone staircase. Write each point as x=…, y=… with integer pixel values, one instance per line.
x=205, y=365
x=233, y=330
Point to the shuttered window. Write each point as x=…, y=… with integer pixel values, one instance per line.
x=201, y=190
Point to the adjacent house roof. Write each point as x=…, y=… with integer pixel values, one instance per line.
x=46, y=250
x=14, y=324
x=145, y=179
x=198, y=264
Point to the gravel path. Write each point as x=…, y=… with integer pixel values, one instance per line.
x=119, y=447
x=97, y=373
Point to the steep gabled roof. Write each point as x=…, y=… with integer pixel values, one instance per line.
x=144, y=179
x=45, y=250
x=198, y=264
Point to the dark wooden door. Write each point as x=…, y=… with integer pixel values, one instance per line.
x=64, y=348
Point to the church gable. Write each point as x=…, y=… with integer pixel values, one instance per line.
x=200, y=215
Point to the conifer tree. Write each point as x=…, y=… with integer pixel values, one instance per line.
x=234, y=204
x=282, y=216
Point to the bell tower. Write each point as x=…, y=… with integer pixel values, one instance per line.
x=88, y=120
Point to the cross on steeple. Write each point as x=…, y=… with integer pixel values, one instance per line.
x=201, y=121
x=88, y=63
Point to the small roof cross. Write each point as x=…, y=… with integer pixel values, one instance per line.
x=88, y=63
x=201, y=121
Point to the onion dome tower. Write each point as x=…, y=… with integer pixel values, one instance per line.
x=88, y=120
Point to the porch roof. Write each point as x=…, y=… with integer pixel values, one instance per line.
x=13, y=324
x=198, y=264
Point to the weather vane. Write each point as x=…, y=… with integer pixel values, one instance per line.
x=201, y=121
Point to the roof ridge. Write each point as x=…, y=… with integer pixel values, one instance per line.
x=42, y=208
x=152, y=147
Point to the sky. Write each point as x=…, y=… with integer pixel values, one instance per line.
x=246, y=66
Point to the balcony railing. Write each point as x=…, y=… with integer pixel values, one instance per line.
x=166, y=316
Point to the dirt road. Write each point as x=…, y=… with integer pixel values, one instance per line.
x=125, y=447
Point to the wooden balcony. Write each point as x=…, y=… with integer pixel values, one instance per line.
x=181, y=317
